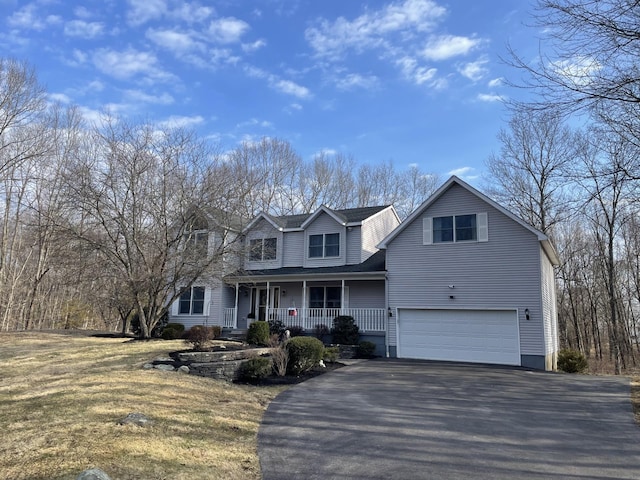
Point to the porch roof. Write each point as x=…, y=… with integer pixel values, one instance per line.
x=373, y=267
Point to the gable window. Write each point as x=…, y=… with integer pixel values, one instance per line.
x=324, y=297
x=192, y=301
x=324, y=245
x=261, y=249
x=455, y=228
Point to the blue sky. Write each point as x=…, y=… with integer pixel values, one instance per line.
x=412, y=81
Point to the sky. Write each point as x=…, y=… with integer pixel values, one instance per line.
x=415, y=82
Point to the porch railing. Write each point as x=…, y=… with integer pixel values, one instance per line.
x=368, y=319
x=229, y=318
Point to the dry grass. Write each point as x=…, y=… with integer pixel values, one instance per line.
x=61, y=398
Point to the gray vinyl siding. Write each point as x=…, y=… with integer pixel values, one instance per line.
x=504, y=272
x=375, y=229
x=324, y=223
x=366, y=294
x=354, y=240
x=293, y=249
x=263, y=229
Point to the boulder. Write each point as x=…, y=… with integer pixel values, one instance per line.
x=183, y=369
x=165, y=367
x=93, y=474
x=136, y=418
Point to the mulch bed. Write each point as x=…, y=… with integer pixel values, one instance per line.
x=292, y=379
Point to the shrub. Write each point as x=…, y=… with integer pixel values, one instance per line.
x=172, y=331
x=366, y=349
x=258, y=333
x=199, y=336
x=331, y=354
x=280, y=357
x=571, y=361
x=345, y=331
x=276, y=326
x=304, y=354
x=321, y=331
x=296, y=331
x=255, y=369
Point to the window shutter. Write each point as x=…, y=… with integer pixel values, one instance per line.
x=427, y=230
x=483, y=227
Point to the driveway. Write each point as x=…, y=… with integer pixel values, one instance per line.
x=402, y=419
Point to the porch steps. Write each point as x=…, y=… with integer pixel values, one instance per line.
x=238, y=334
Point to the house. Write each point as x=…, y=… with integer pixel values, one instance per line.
x=461, y=279
x=469, y=281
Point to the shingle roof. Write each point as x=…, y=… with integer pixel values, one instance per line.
x=375, y=263
x=349, y=215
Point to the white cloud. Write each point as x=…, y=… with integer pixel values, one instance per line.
x=254, y=122
x=129, y=63
x=291, y=88
x=140, y=96
x=252, y=47
x=82, y=12
x=227, y=30
x=578, y=70
x=462, y=171
x=178, y=121
x=443, y=47
x=27, y=18
x=192, y=12
x=80, y=28
x=177, y=42
x=372, y=29
x=415, y=73
x=496, y=82
x=489, y=97
x=60, y=98
x=474, y=71
x=354, y=80
x=142, y=11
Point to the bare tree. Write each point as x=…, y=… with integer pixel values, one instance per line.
x=132, y=205
x=530, y=174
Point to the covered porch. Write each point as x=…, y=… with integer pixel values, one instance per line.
x=309, y=302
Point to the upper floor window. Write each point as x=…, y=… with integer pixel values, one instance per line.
x=192, y=301
x=263, y=249
x=455, y=228
x=324, y=245
x=197, y=236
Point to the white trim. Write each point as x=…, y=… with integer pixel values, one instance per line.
x=328, y=211
x=257, y=218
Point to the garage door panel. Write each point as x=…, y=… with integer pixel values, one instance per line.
x=459, y=335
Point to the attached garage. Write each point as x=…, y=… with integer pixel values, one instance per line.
x=479, y=336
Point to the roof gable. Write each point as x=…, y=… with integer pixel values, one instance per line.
x=544, y=240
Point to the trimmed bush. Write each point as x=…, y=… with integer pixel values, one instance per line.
x=345, y=331
x=304, y=354
x=199, y=336
x=321, y=331
x=366, y=349
x=172, y=331
x=255, y=369
x=571, y=361
x=258, y=334
x=296, y=331
x=276, y=326
x=331, y=354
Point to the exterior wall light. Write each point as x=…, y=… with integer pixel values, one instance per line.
x=526, y=314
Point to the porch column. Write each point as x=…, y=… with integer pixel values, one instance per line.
x=266, y=314
x=304, y=303
x=235, y=311
x=342, y=298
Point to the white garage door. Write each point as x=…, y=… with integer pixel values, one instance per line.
x=482, y=336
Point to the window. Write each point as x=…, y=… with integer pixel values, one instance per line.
x=455, y=228
x=325, y=297
x=324, y=245
x=192, y=301
x=263, y=249
x=197, y=236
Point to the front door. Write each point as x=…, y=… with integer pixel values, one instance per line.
x=272, y=300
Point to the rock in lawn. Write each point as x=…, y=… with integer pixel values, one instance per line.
x=136, y=418
x=93, y=474
x=165, y=367
x=147, y=366
x=183, y=369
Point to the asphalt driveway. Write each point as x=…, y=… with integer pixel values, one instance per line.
x=400, y=419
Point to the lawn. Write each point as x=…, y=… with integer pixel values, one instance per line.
x=61, y=398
